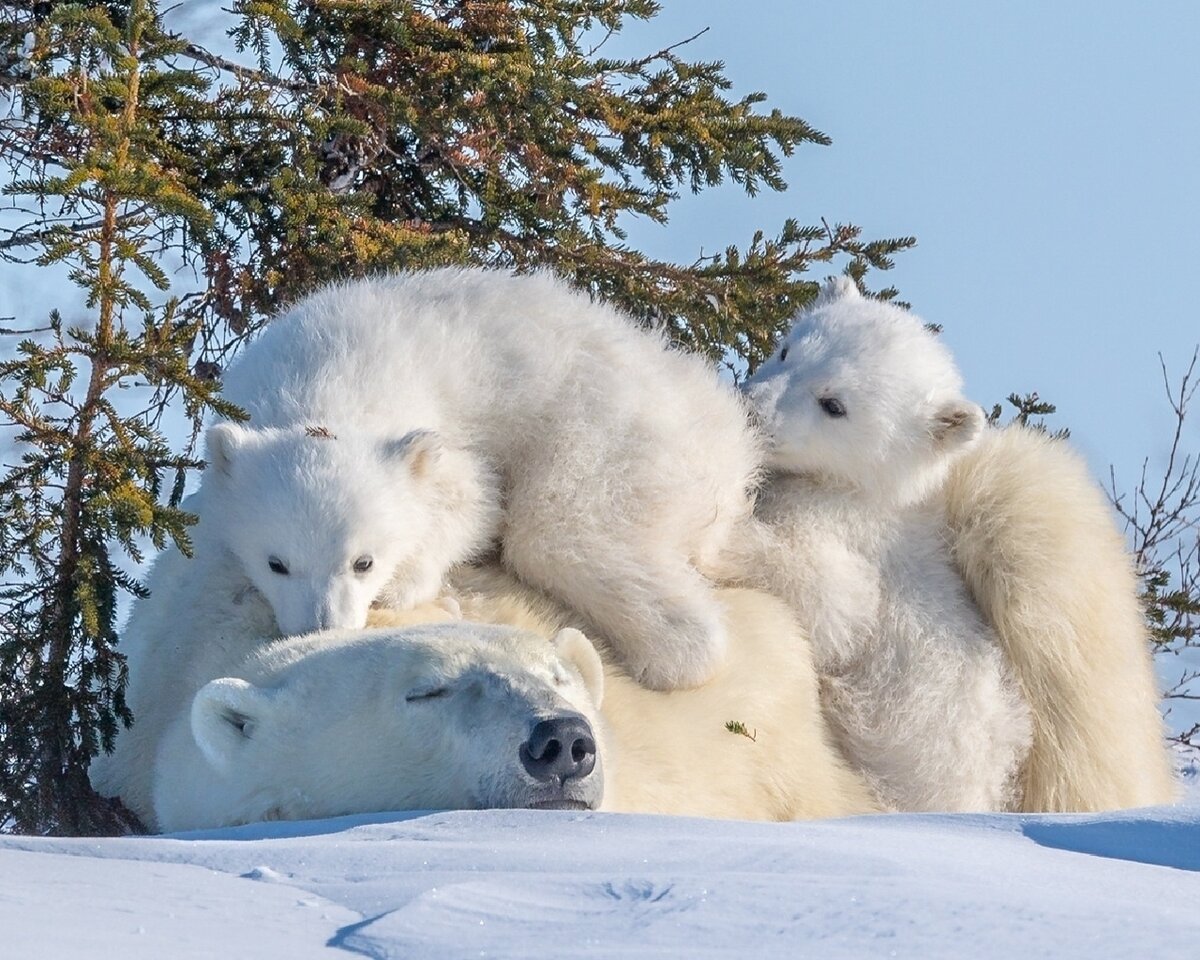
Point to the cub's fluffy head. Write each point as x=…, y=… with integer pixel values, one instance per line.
x=323, y=522
x=449, y=716
x=859, y=392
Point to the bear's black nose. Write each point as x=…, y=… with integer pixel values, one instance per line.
x=560, y=749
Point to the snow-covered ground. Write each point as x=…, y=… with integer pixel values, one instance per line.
x=515, y=883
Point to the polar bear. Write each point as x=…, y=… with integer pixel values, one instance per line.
x=865, y=415
x=399, y=424
x=671, y=752
x=437, y=717
x=1035, y=538
x=462, y=712
x=887, y=496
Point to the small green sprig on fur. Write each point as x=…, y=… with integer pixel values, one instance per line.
x=736, y=726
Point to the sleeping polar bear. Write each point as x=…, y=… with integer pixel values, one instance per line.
x=514, y=711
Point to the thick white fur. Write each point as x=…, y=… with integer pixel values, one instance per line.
x=662, y=752
x=669, y=752
x=176, y=641
x=623, y=465
x=915, y=681
x=345, y=722
x=1035, y=539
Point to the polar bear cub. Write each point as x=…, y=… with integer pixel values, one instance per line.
x=865, y=416
x=399, y=424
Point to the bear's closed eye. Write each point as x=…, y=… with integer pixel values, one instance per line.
x=428, y=694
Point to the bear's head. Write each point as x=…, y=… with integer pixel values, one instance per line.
x=861, y=393
x=449, y=716
x=323, y=524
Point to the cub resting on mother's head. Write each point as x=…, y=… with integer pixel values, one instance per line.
x=400, y=424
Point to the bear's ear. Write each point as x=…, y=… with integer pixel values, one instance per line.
x=577, y=650
x=421, y=450
x=222, y=443
x=956, y=425
x=837, y=288
x=225, y=714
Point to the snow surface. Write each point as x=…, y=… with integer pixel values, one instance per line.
x=517, y=883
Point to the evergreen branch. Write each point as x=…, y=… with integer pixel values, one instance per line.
x=12, y=332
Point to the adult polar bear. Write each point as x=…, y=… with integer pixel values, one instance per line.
x=1034, y=538
x=304, y=727
x=455, y=715
x=384, y=410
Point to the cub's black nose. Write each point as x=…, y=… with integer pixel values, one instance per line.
x=559, y=749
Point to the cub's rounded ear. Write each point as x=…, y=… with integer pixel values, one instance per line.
x=421, y=450
x=578, y=651
x=956, y=425
x=225, y=715
x=837, y=288
x=222, y=443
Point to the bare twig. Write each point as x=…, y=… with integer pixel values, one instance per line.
x=1162, y=518
x=666, y=51
x=242, y=72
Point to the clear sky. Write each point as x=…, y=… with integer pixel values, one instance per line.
x=1044, y=154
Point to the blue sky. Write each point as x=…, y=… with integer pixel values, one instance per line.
x=1043, y=154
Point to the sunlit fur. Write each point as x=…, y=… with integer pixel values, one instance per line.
x=1035, y=539
x=905, y=415
x=671, y=753
x=914, y=679
x=661, y=752
x=623, y=463
x=341, y=722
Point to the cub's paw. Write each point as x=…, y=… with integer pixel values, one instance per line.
x=410, y=587
x=685, y=653
x=442, y=610
x=451, y=606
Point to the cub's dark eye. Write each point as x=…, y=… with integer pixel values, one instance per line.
x=363, y=564
x=783, y=354
x=277, y=566
x=832, y=406
x=432, y=693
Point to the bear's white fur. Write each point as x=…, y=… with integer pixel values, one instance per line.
x=865, y=415
x=1036, y=540
x=399, y=424
x=359, y=721
x=670, y=752
x=305, y=727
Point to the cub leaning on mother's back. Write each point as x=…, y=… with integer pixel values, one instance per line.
x=866, y=416
x=934, y=562
x=399, y=424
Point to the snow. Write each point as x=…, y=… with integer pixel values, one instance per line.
x=516, y=883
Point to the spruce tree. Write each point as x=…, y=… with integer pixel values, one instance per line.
x=190, y=193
